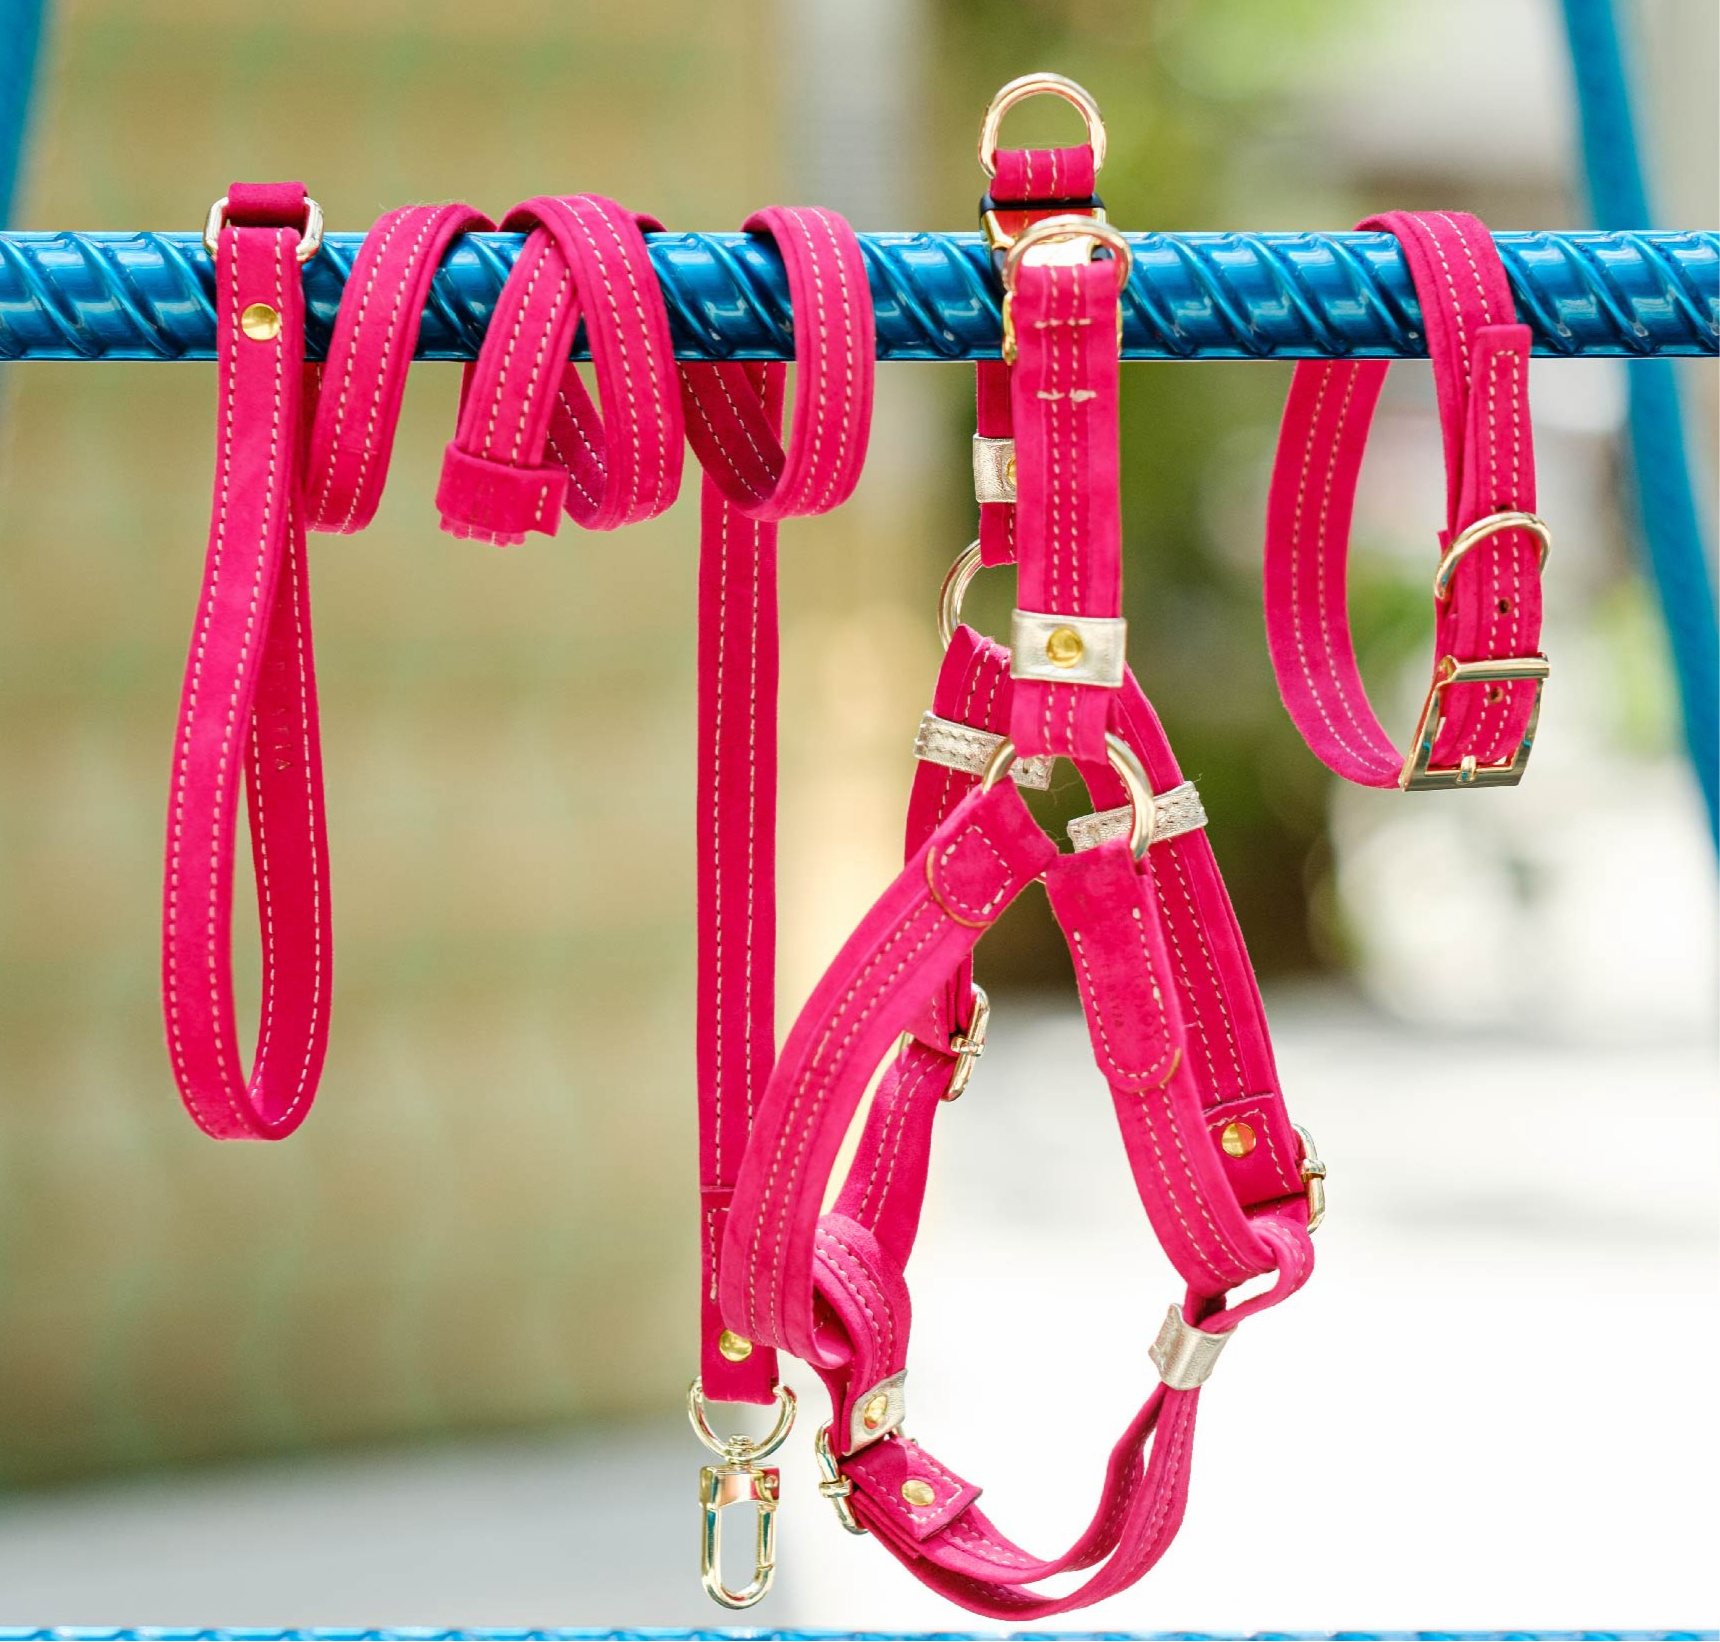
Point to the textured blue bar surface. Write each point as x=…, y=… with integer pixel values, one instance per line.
x=72, y=1633
x=1193, y=296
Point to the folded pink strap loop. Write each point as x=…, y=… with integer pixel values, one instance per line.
x=1025, y=174
x=248, y=703
x=494, y=501
x=364, y=378
x=834, y=354
x=526, y=407
x=1492, y=608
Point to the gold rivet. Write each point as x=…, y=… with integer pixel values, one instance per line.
x=1237, y=1139
x=1009, y=472
x=1064, y=647
x=916, y=1492
x=733, y=1346
x=260, y=322
x=872, y=1415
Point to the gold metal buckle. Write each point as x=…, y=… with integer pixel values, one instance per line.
x=310, y=241
x=1041, y=84
x=739, y=1480
x=1313, y=1179
x=1421, y=774
x=968, y=1046
x=1065, y=241
x=834, y=1487
x=1494, y=524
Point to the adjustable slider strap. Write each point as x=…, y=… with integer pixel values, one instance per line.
x=1174, y=813
x=993, y=469
x=1185, y=1355
x=481, y=497
x=961, y=747
x=1055, y=649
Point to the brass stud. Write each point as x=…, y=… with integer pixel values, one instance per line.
x=1237, y=1138
x=1063, y=648
x=916, y=1492
x=733, y=1346
x=872, y=1415
x=260, y=322
x=1009, y=473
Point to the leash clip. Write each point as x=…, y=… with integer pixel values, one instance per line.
x=739, y=1480
x=834, y=1486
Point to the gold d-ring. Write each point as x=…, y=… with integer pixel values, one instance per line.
x=1495, y=524
x=1060, y=231
x=957, y=580
x=767, y=1444
x=310, y=241
x=1122, y=759
x=1043, y=84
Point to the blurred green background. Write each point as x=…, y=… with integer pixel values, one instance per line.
x=489, y=1221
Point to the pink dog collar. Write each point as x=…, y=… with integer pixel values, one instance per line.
x=1478, y=724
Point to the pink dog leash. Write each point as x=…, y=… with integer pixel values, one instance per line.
x=1478, y=724
x=250, y=687
x=733, y=419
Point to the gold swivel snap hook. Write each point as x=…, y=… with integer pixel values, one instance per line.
x=738, y=1479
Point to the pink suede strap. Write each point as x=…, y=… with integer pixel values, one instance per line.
x=833, y=1288
x=1492, y=606
x=363, y=380
x=530, y=441
x=1068, y=531
x=734, y=421
x=729, y=424
x=249, y=703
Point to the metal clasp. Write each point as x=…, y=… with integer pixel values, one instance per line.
x=1421, y=774
x=834, y=1487
x=739, y=1480
x=310, y=241
x=968, y=1046
x=1313, y=1179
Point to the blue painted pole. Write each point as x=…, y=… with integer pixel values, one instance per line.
x=1193, y=296
x=1666, y=501
x=20, y=42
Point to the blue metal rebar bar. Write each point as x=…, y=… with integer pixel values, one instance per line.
x=1665, y=498
x=1193, y=296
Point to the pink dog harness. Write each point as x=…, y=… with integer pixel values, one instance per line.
x=1478, y=724
x=1173, y=1014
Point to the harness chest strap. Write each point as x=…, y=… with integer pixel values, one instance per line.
x=981, y=856
x=1478, y=724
